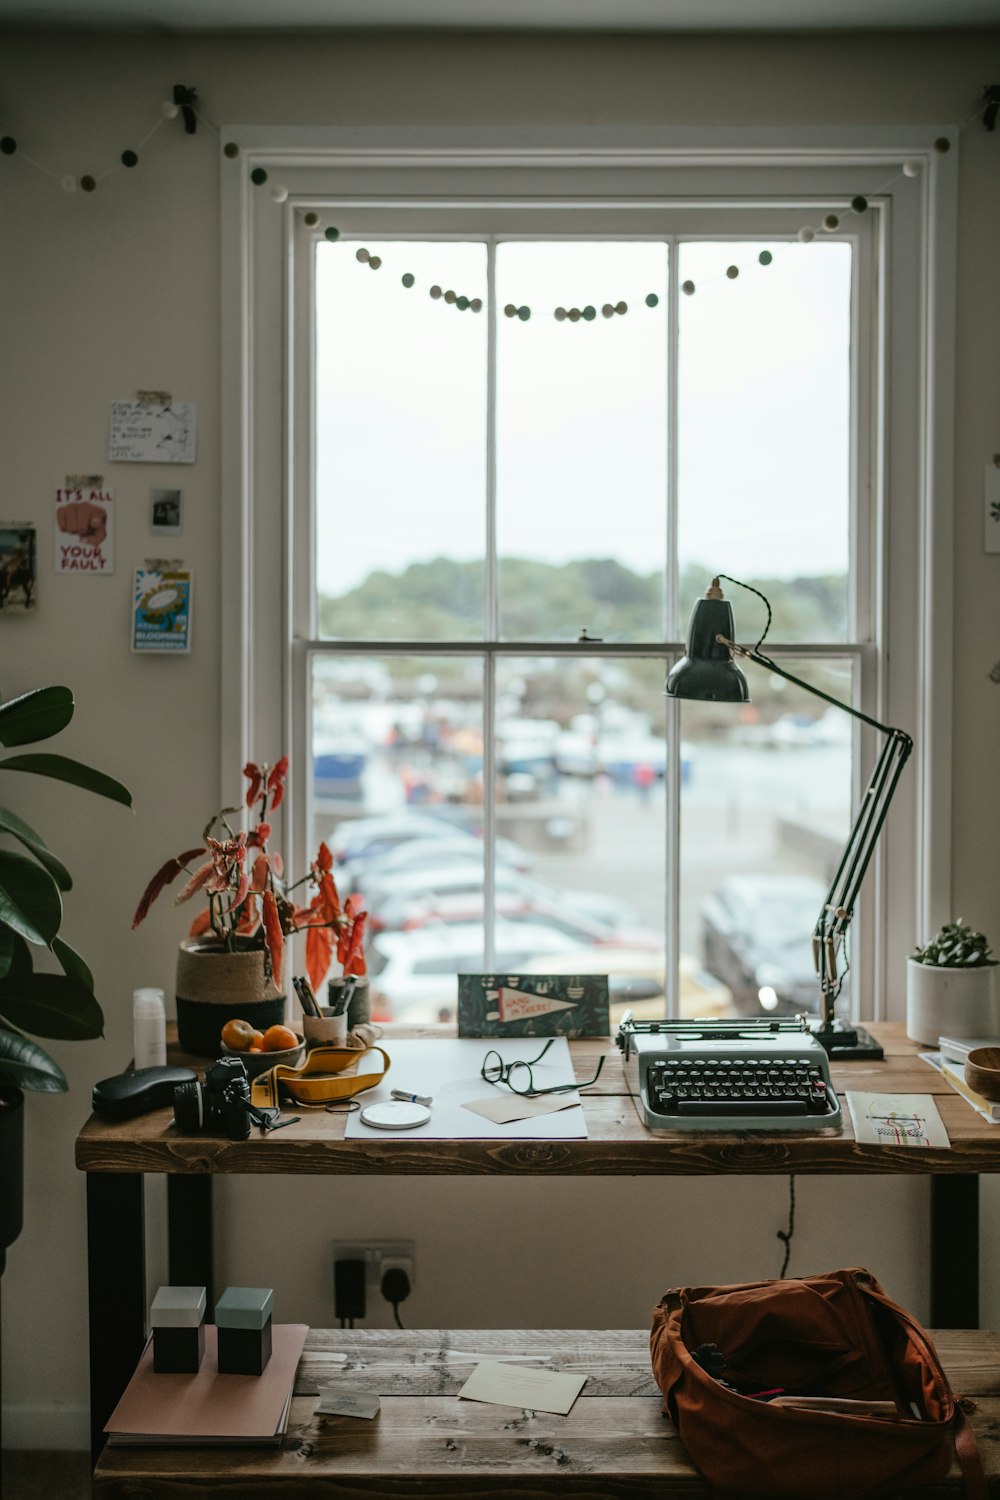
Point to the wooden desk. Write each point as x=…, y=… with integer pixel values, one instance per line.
x=614, y=1442
x=116, y=1157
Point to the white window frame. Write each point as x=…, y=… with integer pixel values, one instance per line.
x=905, y=554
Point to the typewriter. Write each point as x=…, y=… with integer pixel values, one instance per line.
x=728, y=1075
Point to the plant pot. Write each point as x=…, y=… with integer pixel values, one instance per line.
x=943, y=1001
x=215, y=986
x=11, y=1167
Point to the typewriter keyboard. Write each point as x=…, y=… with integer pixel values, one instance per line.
x=759, y=1086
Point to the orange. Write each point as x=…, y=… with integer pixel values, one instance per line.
x=278, y=1038
x=255, y=1045
x=238, y=1035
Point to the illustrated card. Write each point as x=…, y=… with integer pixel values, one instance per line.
x=160, y=432
x=161, y=609
x=533, y=1005
x=17, y=567
x=85, y=530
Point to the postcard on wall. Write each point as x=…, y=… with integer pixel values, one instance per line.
x=161, y=608
x=17, y=567
x=165, y=518
x=533, y=1005
x=85, y=530
x=152, y=433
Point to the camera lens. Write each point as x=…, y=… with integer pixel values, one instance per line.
x=189, y=1109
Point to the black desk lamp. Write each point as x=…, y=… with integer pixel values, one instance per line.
x=709, y=673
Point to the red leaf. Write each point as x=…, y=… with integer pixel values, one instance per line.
x=273, y=935
x=354, y=962
x=256, y=780
x=276, y=782
x=324, y=858
x=201, y=923
x=161, y=879
x=319, y=951
x=198, y=879
x=261, y=865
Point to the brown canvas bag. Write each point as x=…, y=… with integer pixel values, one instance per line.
x=836, y=1338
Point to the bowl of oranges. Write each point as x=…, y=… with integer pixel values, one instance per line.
x=261, y=1050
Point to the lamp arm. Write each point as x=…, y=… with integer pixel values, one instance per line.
x=838, y=908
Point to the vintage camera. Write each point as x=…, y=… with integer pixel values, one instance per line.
x=219, y=1106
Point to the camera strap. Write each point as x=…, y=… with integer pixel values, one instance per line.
x=319, y=1079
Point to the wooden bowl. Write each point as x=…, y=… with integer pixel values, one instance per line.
x=982, y=1072
x=260, y=1062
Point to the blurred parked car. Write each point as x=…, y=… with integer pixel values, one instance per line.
x=370, y=838
x=464, y=851
x=757, y=937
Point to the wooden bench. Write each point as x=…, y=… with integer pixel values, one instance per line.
x=614, y=1442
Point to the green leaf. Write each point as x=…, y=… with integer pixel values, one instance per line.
x=35, y=716
x=11, y=823
x=25, y=1065
x=29, y=899
x=73, y=771
x=15, y=955
x=53, y=1005
x=72, y=963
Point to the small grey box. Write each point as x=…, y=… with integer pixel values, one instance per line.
x=178, y=1307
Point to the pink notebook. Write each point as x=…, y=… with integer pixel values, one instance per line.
x=209, y=1408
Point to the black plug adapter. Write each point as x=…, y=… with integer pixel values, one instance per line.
x=395, y=1289
x=349, y=1289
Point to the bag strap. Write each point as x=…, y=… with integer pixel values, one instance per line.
x=315, y=1080
x=967, y=1453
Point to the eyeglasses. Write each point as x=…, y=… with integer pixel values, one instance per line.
x=518, y=1076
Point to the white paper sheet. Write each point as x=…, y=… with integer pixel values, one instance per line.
x=909, y=1120
x=531, y=1390
x=449, y=1071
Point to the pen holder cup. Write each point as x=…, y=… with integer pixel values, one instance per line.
x=324, y=1031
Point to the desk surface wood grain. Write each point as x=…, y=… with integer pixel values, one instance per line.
x=614, y=1442
x=617, y=1142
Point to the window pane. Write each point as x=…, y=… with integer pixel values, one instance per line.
x=397, y=794
x=400, y=443
x=581, y=442
x=764, y=822
x=764, y=445
x=580, y=760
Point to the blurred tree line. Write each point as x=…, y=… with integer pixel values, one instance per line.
x=442, y=600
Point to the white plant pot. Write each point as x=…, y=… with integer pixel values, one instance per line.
x=941, y=1001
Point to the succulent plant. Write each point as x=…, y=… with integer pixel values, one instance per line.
x=956, y=946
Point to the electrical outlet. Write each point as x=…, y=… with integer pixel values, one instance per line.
x=379, y=1256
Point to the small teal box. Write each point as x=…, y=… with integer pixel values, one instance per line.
x=243, y=1320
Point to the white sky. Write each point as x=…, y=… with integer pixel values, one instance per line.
x=763, y=446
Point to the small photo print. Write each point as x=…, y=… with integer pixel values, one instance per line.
x=161, y=609
x=165, y=517
x=17, y=567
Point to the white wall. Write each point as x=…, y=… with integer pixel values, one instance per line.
x=116, y=291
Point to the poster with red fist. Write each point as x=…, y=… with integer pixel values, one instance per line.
x=85, y=530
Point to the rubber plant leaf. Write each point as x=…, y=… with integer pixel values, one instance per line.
x=35, y=716
x=11, y=823
x=51, y=1005
x=26, y=1066
x=15, y=955
x=72, y=963
x=72, y=771
x=29, y=899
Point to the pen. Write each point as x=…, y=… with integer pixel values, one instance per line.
x=344, y=998
x=306, y=997
x=411, y=1098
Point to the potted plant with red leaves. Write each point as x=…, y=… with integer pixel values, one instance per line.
x=232, y=963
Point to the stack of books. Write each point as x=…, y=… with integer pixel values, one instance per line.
x=206, y=1408
x=954, y=1050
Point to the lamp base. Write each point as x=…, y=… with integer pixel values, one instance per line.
x=846, y=1043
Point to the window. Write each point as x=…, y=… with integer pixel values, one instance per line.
x=496, y=525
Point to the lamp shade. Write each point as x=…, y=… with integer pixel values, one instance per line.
x=708, y=671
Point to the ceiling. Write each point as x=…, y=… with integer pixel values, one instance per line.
x=521, y=15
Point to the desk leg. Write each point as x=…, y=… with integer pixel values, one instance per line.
x=955, y=1251
x=116, y=1267
x=189, y=1234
